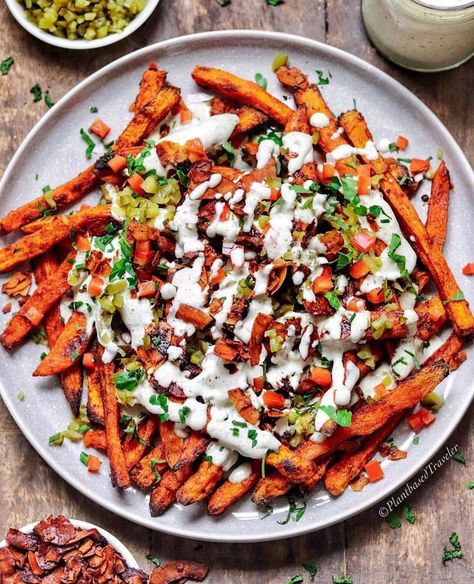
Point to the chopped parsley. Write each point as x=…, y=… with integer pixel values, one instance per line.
x=153, y=463
x=408, y=513
x=129, y=380
x=297, y=578
x=455, y=553
x=6, y=64
x=470, y=485
x=400, y=260
x=162, y=401
x=274, y=2
x=152, y=558
x=322, y=78
x=294, y=512
x=416, y=440
x=90, y=143
x=37, y=93
x=230, y=153
x=84, y=458
x=333, y=300
x=458, y=457
x=252, y=435
x=260, y=80
x=341, y=580
x=341, y=417
x=312, y=570
x=183, y=412
x=455, y=298
x=47, y=99
x=93, y=109
x=183, y=179
x=393, y=522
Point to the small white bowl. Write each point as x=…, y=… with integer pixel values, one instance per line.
x=117, y=544
x=19, y=14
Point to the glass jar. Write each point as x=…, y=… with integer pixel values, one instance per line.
x=424, y=35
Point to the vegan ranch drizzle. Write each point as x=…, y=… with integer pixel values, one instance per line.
x=425, y=35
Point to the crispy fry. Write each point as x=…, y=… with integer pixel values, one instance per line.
x=95, y=439
x=201, y=484
x=194, y=445
x=164, y=494
x=292, y=78
x=431, y=317
x=351, y=464
x=173, y=443
x=66, y=194
x=150, y=84
x=53, y=232
x=95, y=407
x=458, y=311
x=298, y=121
x=195, y=316
x=243, y=404
x=135, y=447
x=294, y=464
x=178, y=571
x=144, y=473
x=118, y=468
x=230, y=350
x=71, y=380
x=69, y=347
x=261, y=323
x=272, y=486
x=450, y=351
x=229, y=493
x=249, y=119
x=243, y=91
x=40, y=302
x=320, y=468
x=437, y=218
x=146, y=119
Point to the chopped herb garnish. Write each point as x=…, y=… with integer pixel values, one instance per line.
x=400, y=260
x=323, y=79
x=455, y=553
x=341, y=417
x=239, y=424
x=230, y=152
x=37, y=93
x=56, y=439
x=252, y=435
x=393, y=522
x=333, y=300
x=153, y=463
x=455, y=298
x=74, y=355
x=183, y=412
x=47, y=99
x=297, y=578
x=312, y=570
x=90, y=143
x=151, y=557
x=293, y=509
x=162, y=401
x=458, y=457
x=129, y=380
x=93, y=109
x=5, y=65
x=183, y=179
x=392, y=147
x=84, y=458
x=260, y=80
x=408, y=513
x=341, y=580
x=223, y=2
x=470, y=485
x=268, y=512
x=274, y=2
x=416, y=440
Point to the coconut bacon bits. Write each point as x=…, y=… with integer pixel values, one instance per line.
x=246, y=301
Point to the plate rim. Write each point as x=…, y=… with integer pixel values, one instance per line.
x=188, y=531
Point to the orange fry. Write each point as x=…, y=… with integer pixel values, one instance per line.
x=229, y=493
x=437, y=219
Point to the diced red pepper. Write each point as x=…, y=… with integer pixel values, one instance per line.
x=376, y=296
x=359, y=269
x=415, y=422
x=329, y=170
x=96, y=286
x=143, y=252
x=93, y=463
x=225, y=214
x=468, y=270
x=380, y=390
x=275, y=195
x=356, y=304
x=401, y=143
x=323, y=282
x=88, y=361
x=82, y=243
x=321, y=376
x=418, y=165
x=99, y=128
x=117, y=163
x=363, y=241
x=427, y=416
x=374, y=471
x=148, y=289
x=272, y=399
x=135, y=182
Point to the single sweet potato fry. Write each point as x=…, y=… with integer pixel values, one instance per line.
x=134, y=447
x=201, y=484
x=351, y=464
x=194, y=445
x=249, y=119
x=437, y=218
x=118, y=468
x=298, y=121
x=292, y=78
x=173, y=443
x=95, y=439
x=243, y=404
x=69, y=347
x=63, y=195
x=272, y=486
x=261, y=323
x=319, y=469
x=194, y=316
x=431, y=317
x=150, y=84
x=229, y=493
x=30, y=246
x=95, y=407
x=243, y=91
x=178, y=571
x=32, y=312
x=146, y=119
x=145, y=473
x=164, y=494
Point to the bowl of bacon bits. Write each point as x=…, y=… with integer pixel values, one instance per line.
x=57, y=549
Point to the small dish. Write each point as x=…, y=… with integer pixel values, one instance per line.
x=19, y=14
x=116, y=543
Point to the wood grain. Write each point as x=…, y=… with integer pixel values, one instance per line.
x=363, y=547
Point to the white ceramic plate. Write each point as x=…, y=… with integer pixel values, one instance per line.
x=55, y=152
x=116, y=543
x=19, y=14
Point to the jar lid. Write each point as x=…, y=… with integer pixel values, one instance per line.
x=445, y=4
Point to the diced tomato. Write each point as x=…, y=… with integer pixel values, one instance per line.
x=374, y=471
x=468, y=270
x=363, y=241
x=356, y=304
x=359, y=269
x=427, y=416
x=415, y=422
x=363, y=185
x=143, y=252
x=185, y=114
x=272, y=399
x=401, y=142
x=329, y=170
x=195, y=150
x=117, y=163
x=258, y=384
x=323, y=282
x=376, y=296
x=380, y=390
x=88, y=361
x=148, y=289
x=225, y=214
x=93, y=463
x=82, y=243
x=33, y=315
x=99, y=128
x=321, y=376
x=275, y=195
x=135, y=182
x=96, y=286
x=418, y=165
x=217, y=277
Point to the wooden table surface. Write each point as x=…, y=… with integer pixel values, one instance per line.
x=364, y=547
